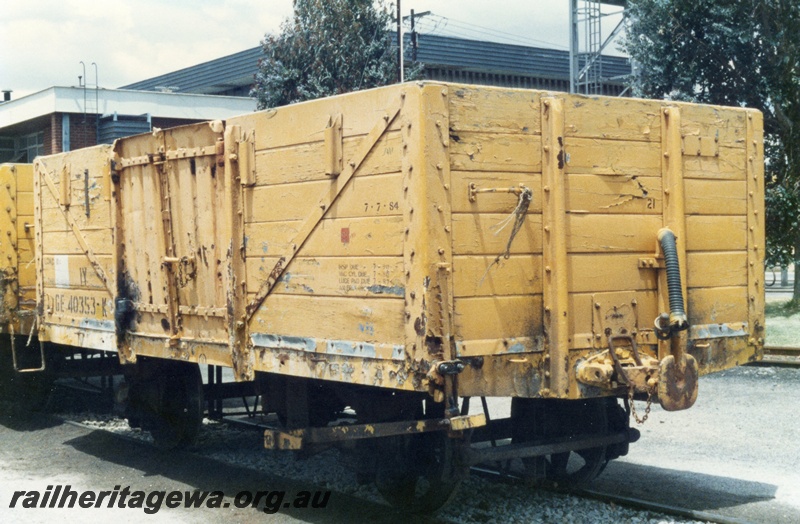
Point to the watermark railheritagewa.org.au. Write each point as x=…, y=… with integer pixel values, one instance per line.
x=151, y=502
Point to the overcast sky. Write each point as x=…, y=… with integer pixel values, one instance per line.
x=43, y=41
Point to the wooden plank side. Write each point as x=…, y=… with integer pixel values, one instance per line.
x=612, y=118
x=717, y=305
x=72, y=306
x=364, y=196
x=622, y=194
x=479, y=234
x=26, y=275
x=475, y=276
x=377, y=320
x=306, y=121
x=25, y=229
x=729, y=165
x=726, y=124
x=74, y=271
x=499, y=202
x=716, y=233
x=306, y=162
x=494, y=110
x=344, y=276
x=727, y=269
x=370, y=236
x=612, y=157
x=65, y=243
x=585, y=313
x=716, y=197
x=597, y=272
x=479, y=151
x=83, y=188
x=592, y=233
x=481, y=318
x=100, y=217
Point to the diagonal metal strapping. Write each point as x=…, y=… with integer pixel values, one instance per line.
x=318, y=212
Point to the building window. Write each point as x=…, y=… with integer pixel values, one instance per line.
x=6, y=149
x=29, y=147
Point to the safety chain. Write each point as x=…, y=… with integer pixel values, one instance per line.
x=633, y=406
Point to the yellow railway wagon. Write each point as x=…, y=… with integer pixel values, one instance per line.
x=428, y=242
x=18, y=289
x=18, y=284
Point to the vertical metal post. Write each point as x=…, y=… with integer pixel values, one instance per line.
x=573, y=45
x=674, y=214
x=554, y=246
x=400, y=74
x=413, y=38
x=755, y=229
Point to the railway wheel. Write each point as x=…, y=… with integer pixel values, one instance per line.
x=418, y=473
x=545, y=419
x=166, y=398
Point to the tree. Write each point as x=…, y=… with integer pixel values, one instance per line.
x=737, y=53
x=328, y=47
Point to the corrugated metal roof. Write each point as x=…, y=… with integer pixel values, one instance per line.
x=494, y=57
x=237, y=70
x=215, y=76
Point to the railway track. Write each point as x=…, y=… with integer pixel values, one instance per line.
x=497, y=478
x=783, y=356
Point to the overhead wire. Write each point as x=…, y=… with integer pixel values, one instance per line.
x=437, y=24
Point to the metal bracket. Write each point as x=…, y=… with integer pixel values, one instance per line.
x=474, y=191
x=296, y=439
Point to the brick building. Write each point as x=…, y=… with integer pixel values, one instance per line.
x=61, y=119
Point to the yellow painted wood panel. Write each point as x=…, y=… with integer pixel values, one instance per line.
x=516, y=275
x=716, y=233
x=725, y=123
x=26, y=276
x=306, y=162
x=372, y=236
x=729, y=165
x=66, y=243
x=623, y=194
x=494, y=110
x=74, y=271
x=305, y=122
x=483, y=318
x=205, y=328
x=715, y=197
x=70, y=306
x=345, y=276
x=493, y=202
x=143, y=233
x=25, y=180
x=97, y=191
x=478, y=151
x=583, y=313
x=25, y=227
x=612, y=118
x=479, y=234
x=378, y=320
x=25, y=203
x=196, y=211
x=612, y=157
x=617, y=272
x=727, y=269
x=100, y=217
x=363, y=196
x=717, y=305
x=589, y=233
